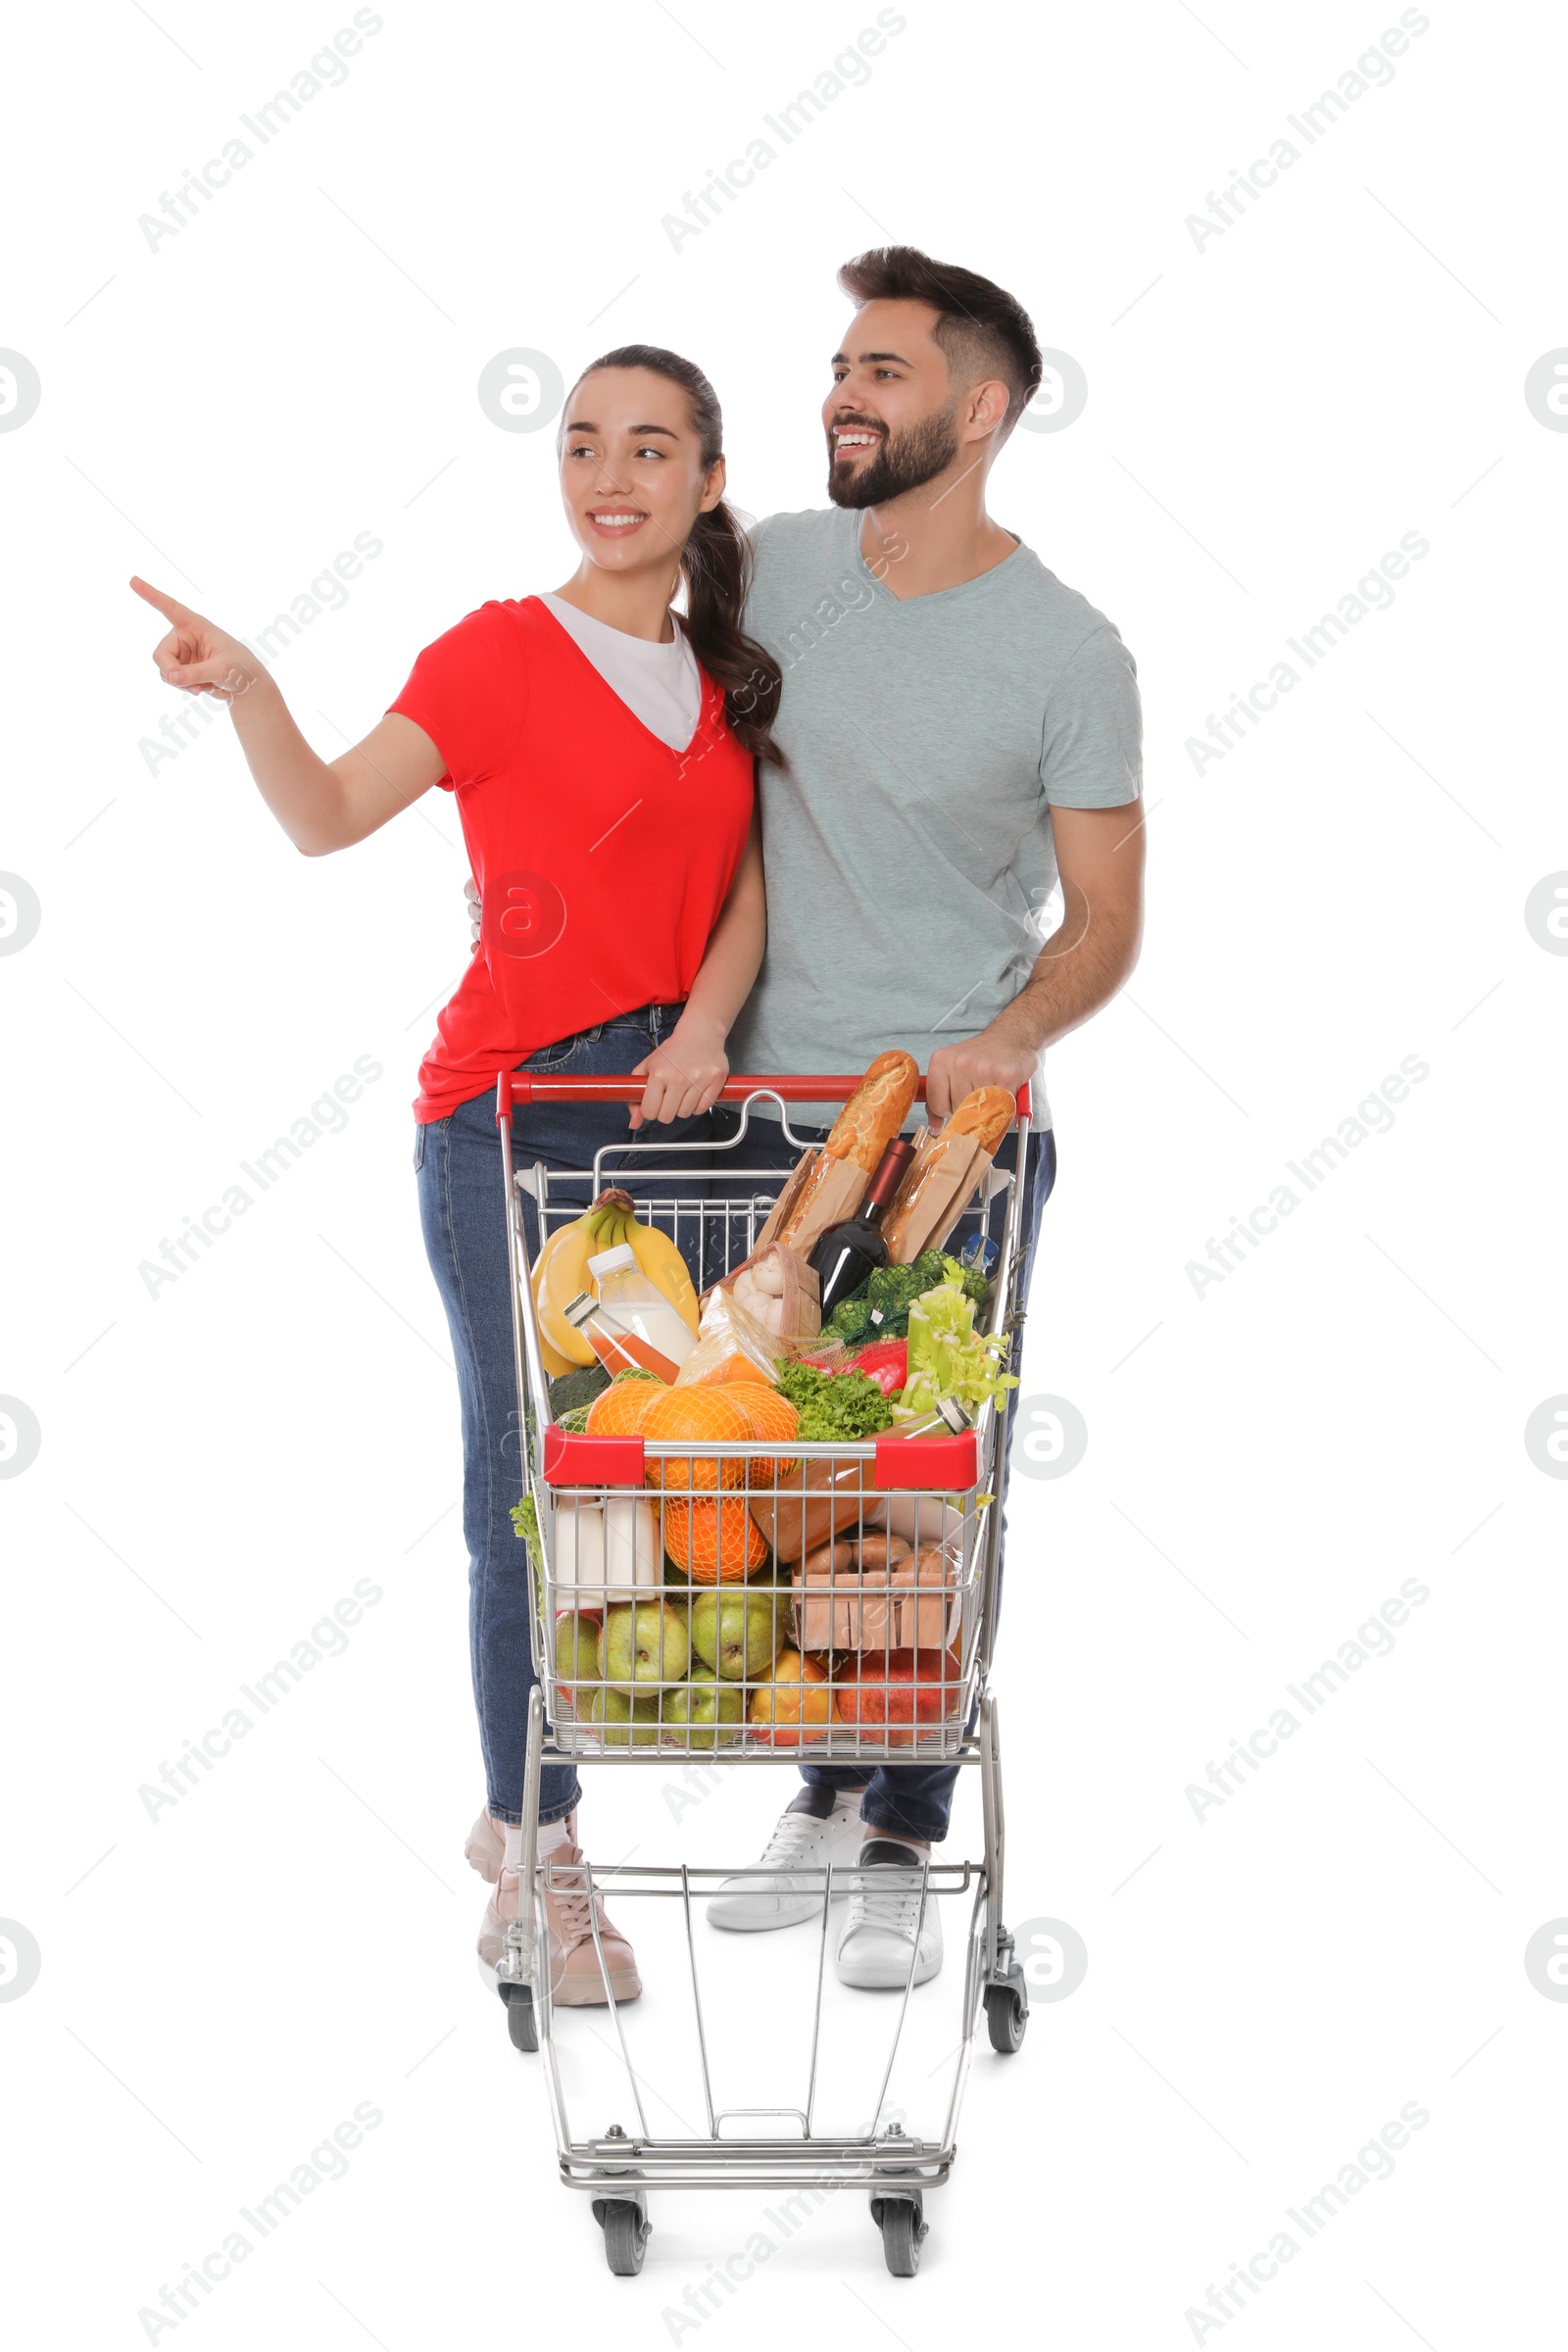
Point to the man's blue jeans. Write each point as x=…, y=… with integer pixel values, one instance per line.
x=462, y=1211
x=913, y=1800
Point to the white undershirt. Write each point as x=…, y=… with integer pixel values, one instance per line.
x=659, y=684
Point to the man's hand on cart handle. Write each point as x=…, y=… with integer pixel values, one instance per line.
x=684, y=1074
x=990, y=1058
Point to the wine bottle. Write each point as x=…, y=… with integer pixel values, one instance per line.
x=849, y=1255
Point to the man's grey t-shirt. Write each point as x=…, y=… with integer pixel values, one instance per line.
x=908, y=846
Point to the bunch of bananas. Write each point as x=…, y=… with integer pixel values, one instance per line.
x=561, y=1272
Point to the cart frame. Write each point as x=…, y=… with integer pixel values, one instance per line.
x=618, y=2167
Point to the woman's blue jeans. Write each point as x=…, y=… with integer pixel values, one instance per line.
x=462, y=1211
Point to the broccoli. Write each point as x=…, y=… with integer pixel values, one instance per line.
x=893, y=1290
x=574, y=1389
x=851, y=1321
x=881, y=1309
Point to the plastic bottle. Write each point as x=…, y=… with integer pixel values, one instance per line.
x=631, y=1302
x=617, y=1350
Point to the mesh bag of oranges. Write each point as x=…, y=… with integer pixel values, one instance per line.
x=736, y=1414
x=618, y=1411
x=714, y=1541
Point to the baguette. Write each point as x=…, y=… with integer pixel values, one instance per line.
x=987, y=1113
x=876, y=1111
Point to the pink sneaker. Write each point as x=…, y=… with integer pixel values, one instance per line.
x=576, y=1980
x=485, y=1848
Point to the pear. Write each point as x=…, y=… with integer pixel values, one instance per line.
x=577, y=1659
x=644, y=1643
x=704, y=1710
x=624, y=1722
x=736, y=1631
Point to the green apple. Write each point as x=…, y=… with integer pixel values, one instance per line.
x=736, y=1631
x=644, y=1642
x=577, y=1659
x=704, y=1710
x=624, y=1722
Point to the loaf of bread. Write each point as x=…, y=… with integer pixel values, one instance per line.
x=946, y=1173
x=876, y=1111
x=987, y=1113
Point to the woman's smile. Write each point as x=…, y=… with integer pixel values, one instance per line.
x=616, y=522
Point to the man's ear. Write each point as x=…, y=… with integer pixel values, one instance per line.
x=987, y=408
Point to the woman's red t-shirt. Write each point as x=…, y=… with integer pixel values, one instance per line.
x=602, y=858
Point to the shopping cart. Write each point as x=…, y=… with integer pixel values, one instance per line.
x=852, y=1552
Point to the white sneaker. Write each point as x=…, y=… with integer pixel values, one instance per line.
x=805, y=1839
x=885, y=1926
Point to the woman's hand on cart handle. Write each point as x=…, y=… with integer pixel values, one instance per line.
x=470, y=891
x=684, y=1075
x=196, y=656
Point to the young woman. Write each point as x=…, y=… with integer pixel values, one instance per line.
x=602, y=755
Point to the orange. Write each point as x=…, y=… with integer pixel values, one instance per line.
x=717, y=1543
x=689, y=1414
x=619, y=1411
x=770, y=1416
x=736, y=1367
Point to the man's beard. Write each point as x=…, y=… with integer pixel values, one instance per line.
x=904, y=462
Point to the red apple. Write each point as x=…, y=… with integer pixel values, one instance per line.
x=899, y=1692
x=795, y=1705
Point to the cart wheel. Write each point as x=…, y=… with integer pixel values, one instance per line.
x=903, y=2230
x=1007, y=2017
x=625, y=2235
x=521, y=2023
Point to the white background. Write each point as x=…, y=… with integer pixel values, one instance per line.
x=221, y=1462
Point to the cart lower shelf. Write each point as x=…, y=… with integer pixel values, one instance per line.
x=775, y=2148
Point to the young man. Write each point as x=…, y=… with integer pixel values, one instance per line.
x=963, y=735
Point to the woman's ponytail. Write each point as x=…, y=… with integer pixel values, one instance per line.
x=717, y=565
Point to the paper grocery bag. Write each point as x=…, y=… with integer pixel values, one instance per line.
x=938, y=1186
x=784, y=1202
x=822, y=1191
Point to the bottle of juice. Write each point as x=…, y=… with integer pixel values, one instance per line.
x=631, y=1303
x=617, y=1350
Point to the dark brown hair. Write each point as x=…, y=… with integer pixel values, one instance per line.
x=982, y=331
x=716, y=563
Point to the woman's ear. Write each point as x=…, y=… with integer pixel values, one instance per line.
x=713, y=487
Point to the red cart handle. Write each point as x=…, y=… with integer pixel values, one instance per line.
x=521, y=1086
